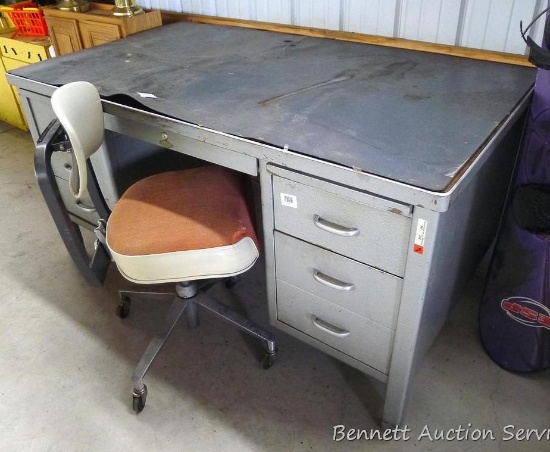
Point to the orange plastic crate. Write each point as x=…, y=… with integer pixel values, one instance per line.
x=28, y=21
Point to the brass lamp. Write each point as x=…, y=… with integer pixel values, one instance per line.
x=126, y=8
x=79, y=6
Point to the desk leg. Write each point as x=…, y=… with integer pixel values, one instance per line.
x=268, y=222
x=415, y=326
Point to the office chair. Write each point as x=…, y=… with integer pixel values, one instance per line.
x=187, y=227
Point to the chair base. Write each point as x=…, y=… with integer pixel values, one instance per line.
x=187, y=300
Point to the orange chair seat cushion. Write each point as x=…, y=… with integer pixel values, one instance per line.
x=192, y=209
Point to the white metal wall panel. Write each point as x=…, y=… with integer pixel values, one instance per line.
x=521, y=11
x=494, y=24
x=239, y=9
x=538, y=28
x=476, y=19
x=194, y=6
x=276, y=11
x=373, y=17
x=317, y=13
x=429, y=20
x=481, y=24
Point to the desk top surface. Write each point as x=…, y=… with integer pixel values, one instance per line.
x=408, y=116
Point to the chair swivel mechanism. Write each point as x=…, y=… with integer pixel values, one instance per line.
x=189, y=227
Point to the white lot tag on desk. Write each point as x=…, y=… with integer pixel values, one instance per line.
x=420, y=236
x=289, y=200
x=147, y=95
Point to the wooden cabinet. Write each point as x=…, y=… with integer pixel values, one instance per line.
x=15, y=53
x=95, y=34
x=64, y=34
x=72, y=31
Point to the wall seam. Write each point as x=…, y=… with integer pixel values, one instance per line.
x=461, y=22
x=343, y=7
x=397, y=18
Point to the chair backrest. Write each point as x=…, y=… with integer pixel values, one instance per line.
x=77, y=105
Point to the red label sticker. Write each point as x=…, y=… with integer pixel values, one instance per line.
x=420, y=236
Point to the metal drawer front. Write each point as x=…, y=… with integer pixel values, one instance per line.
x=335, y=326
x=365, y=233
x=81, y=208
x=357, y=287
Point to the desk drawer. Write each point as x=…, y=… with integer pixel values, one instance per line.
x=363, y=232
x=335, y=326
x=364, y=290
x=78, y=208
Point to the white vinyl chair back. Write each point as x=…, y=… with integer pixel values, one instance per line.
x=77, y=105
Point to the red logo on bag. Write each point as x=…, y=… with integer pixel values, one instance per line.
x=527, y=311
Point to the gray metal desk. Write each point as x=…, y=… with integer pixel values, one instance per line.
x=383, y=172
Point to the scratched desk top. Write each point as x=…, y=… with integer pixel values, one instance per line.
x=409, y=116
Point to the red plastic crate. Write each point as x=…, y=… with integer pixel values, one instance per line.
x=28, y=19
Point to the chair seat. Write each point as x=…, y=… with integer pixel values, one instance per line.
x=183, y=225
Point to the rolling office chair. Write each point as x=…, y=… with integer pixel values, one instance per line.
x=185, y=226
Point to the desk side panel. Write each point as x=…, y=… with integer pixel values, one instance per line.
x=463, y=235
x=467, y=231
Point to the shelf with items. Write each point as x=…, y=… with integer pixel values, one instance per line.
x=72, y=31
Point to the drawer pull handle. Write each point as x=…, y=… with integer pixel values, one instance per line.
x=337, y=229
x=67, y=166
x=328, y=328
x=84, y=207
x=329, y=281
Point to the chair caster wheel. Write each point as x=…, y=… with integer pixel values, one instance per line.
x=123, y=308
x=268, y=359
x=231, y=282
x=139, y=398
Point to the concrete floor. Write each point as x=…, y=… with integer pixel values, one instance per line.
x=66, y=362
